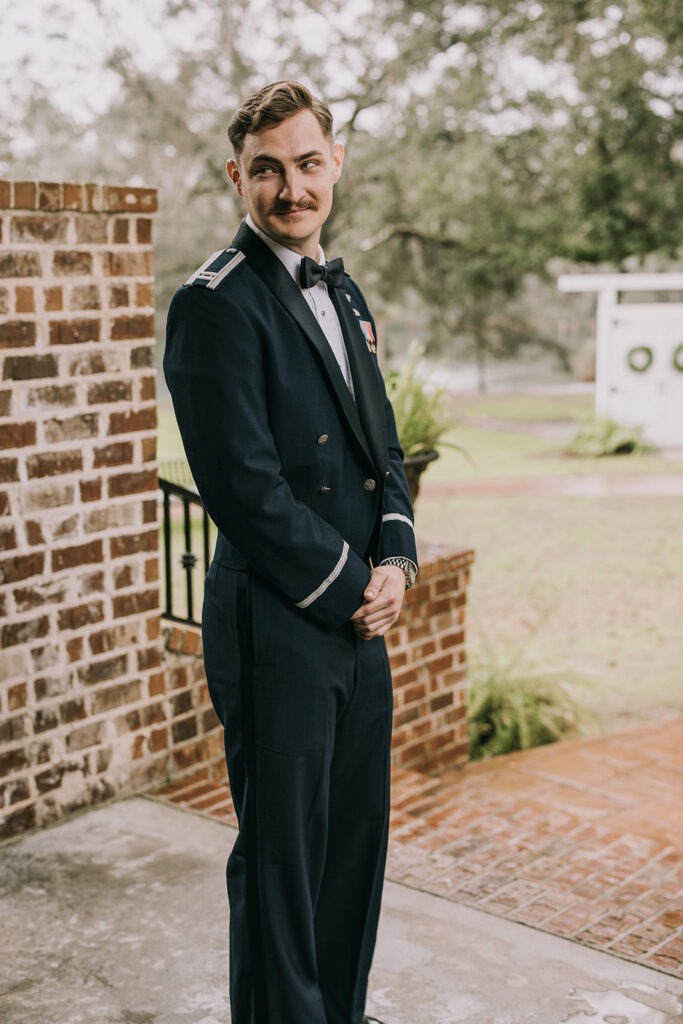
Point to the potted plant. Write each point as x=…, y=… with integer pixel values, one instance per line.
x=421, y=418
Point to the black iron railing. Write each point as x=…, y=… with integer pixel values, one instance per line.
x=186, y=524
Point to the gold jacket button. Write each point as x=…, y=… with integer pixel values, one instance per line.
x=323, y=439
x=324, y=489
x=369, y=485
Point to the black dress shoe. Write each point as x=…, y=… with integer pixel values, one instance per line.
x=371, y=1020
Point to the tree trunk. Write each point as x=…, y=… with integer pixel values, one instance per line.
x=480, y=357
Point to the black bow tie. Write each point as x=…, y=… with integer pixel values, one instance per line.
x=331, y=273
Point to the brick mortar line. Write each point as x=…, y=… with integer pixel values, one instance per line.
x=98, y=275
x=50, y=247
x=90, y=441
x=676, y=934
x=53, y=702
x=570, y=891
x=442, y=872
x=584, y=787
x=529, y=833
x=108, y=622
x=41, y=316
x=103, y=282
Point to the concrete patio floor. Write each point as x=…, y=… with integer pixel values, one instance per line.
x=119, y=916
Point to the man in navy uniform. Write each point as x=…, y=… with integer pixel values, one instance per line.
x=270, y=360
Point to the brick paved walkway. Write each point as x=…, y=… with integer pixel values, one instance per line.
x=582, y=839
x=568, y=485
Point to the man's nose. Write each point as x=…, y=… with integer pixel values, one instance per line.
x=289, y=189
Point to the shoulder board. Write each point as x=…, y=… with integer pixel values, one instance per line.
x=218, y=266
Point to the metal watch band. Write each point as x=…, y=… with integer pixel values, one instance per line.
x=403, y=563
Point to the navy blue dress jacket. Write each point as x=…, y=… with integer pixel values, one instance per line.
x=306, y=486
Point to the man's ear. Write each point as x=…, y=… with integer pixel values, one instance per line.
x=337, y=159
x=233, y=169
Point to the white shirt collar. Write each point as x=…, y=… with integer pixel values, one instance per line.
x=291, y=259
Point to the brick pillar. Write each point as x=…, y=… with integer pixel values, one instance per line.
x=82, y=713
x=428, y=661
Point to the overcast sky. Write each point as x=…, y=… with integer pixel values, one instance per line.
x=62, y=45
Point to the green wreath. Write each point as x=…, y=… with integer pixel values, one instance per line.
x=677, y=358
x=634, y=360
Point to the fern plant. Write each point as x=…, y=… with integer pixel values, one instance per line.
x=514, y=705
x=421, y=416
x=514, y=711
x=604, y=436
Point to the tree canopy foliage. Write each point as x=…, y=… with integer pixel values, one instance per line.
x=482, y=138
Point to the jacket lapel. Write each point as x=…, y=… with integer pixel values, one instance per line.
x=369, y=392
x=275, y=276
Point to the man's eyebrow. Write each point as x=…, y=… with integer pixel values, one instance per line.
x=268, y=159
x=307, y=156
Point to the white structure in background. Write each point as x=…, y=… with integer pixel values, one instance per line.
x=639, y=352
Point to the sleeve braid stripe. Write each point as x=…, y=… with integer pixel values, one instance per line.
x=327, y=581
x=401, y=518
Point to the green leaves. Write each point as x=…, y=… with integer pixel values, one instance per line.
x=607, y=437
x=512, y=709
x=421, y=419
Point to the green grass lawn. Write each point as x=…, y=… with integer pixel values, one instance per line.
x=511, y=452
x=589, y=588
x=523, y=407
x=508, y=453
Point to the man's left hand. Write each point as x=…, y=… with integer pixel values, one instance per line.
x=383, y=599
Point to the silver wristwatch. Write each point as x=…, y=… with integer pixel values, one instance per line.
x=408, y=566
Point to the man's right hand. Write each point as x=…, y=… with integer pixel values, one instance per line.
x=383, y=599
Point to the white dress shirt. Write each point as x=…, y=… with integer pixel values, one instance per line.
x=317, y=297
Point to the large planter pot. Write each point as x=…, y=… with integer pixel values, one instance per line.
x=415, y=466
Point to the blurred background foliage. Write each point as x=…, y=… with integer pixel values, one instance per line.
x=489, y=144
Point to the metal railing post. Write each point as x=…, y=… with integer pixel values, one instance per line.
x=188, y=560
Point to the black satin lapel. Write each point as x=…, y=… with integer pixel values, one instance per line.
x=271, y=270
x=367, y=387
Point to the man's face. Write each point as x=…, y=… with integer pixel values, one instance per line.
x=286, y=175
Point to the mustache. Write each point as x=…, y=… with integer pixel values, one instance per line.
x=306, y=204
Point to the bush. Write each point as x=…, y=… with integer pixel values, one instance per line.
x=607, y=437
x=421, y=418
x=511, y=710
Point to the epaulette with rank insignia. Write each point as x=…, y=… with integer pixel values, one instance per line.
x=217, y=267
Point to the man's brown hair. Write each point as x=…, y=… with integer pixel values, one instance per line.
x=273, y=104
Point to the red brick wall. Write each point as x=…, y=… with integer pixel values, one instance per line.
x=427, y=653
x=96, y=700
x=81, y=682
x=195, y=734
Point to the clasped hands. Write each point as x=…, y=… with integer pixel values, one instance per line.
x=383, y=598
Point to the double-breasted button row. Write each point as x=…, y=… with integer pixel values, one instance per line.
x=323, y=439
